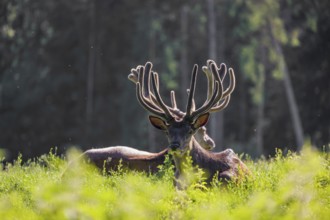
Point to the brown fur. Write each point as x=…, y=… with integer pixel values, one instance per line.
x=225, y=164
x=130, y=158
x=133, y=159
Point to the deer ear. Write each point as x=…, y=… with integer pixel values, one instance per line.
x=201, y=120
x=157, y=122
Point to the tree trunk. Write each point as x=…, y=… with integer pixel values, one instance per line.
x=293, y=107
x=217, y=121
x=242, y=110
x=152, y=55
x=260, y=129
x=0, y=95
x=261, y=104
x=183, y=55
x=91, y=63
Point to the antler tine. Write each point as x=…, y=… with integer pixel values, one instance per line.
x=174, y=109
x=221, y=106
x=143, y=75
x=153, y=98
x=140, y=69
x=173, y=100
x=232, y=83
x=146, y=86
x=193, y=104
x=223, y=102
x=217, y=91
x=222, y=68
x=212, y=74
x=206, y=107
x=143, y=93
x=220, y=74
x=150, y=102
x=210, y=83
x=191, y=91
x=133, y=76
x=158, y=97
x=157, y=79
x=145, y=103
x=216, y=75
x=150, y=99
x=223, y=71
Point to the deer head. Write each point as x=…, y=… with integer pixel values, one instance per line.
x=181, y=126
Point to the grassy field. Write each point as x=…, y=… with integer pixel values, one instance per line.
x=284, y=187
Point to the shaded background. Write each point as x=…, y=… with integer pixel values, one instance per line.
x=64, y=67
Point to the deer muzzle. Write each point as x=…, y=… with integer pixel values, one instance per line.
x=174, y=145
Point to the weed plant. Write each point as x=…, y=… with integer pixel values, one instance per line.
x=284, y=187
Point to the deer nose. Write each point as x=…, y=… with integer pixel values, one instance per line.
x=174, y=145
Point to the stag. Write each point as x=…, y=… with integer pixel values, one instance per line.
x=130, y=158
x=180, y=130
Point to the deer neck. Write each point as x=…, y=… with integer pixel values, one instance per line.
x=196, y=155
x=187, y=159
x=185, y=164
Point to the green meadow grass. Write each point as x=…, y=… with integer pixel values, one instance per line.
x=284, y=187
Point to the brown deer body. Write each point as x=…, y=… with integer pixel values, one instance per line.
x=180, y=131
x=130, y=158
x=109, y=158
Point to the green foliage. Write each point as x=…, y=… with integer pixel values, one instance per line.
x=265, y=24
x=284, y=187
x=169, y=77
x=166, y=170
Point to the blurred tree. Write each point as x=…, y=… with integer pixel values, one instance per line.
x=93, y=47
x=266, y=30
x=217, y=123
x=309, y=64
x=51, y=80
x=184, y=70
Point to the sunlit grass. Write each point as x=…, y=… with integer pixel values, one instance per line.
x=284, y=187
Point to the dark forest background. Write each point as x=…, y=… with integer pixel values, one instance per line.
x=64, y=67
